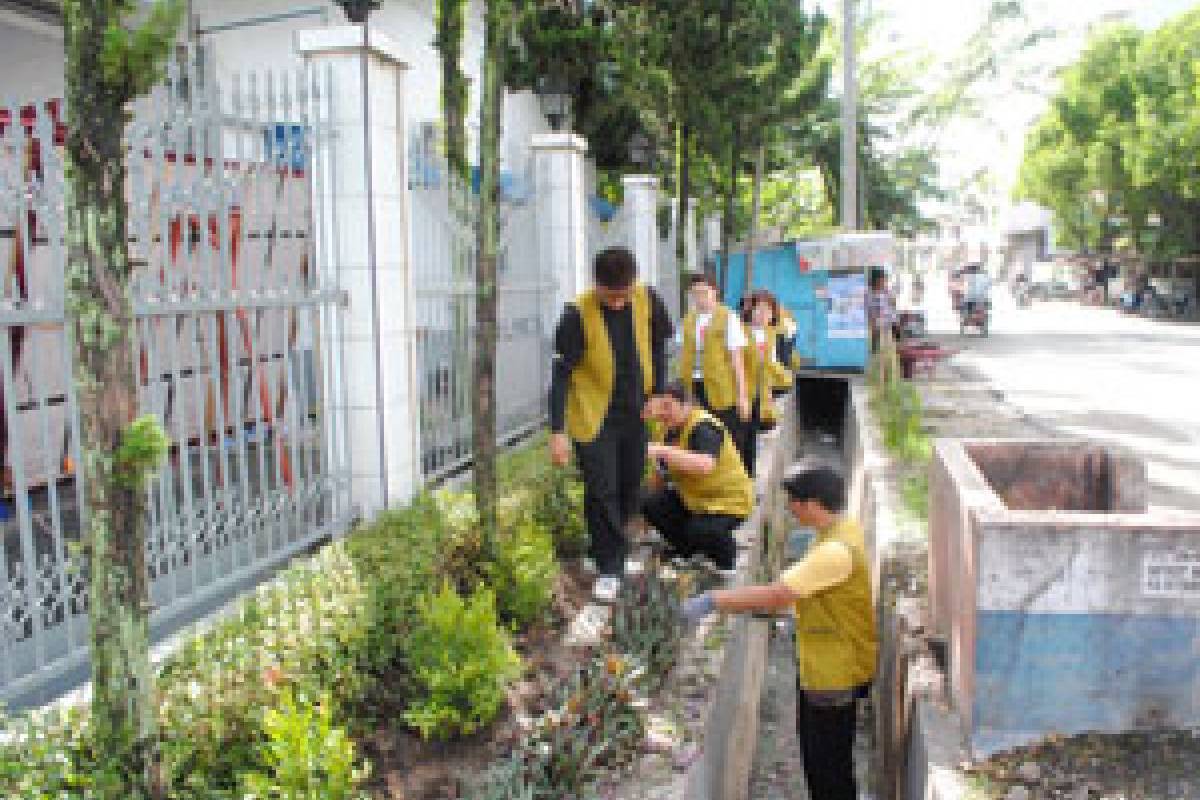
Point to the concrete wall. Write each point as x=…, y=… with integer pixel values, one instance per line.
x=31, y=60
x=1060, y=621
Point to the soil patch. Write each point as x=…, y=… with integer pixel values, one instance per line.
x=1154, y=765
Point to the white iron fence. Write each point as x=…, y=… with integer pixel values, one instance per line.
x=235, y=351
x=444, y=215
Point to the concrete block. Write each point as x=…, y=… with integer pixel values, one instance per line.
x=1066, y=606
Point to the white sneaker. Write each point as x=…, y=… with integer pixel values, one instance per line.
x=634, y=567
x=589, y=565
x=606, y=588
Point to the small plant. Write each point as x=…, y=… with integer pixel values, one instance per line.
x=307, y=756
x=646, y=628
x=461, y=660
x=523, y=573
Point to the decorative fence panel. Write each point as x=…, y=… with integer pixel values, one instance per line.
x=444, y=217
x=235, y=353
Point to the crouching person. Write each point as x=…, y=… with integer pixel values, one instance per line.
x=709, y=493
x=830, y=592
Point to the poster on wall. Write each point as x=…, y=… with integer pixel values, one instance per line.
x=847, y=315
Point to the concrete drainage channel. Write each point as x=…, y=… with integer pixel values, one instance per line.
x=989, y=504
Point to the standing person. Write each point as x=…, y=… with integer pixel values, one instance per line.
x=609, y=356
x=710, y=494
x=836, y=644
x=711, y=364
x=764, y=372
x=881, y=307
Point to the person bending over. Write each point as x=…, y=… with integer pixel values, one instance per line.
x=836, y=645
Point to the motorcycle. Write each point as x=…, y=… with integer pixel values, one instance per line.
x=974, y=314
x=1023, y=296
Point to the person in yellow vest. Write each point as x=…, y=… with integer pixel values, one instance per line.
x=709, y=494
x=711, y=364
x=836, y=644
x=609, y=356
x=764, y=372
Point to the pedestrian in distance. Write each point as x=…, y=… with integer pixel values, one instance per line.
x=829, y=591
x=700, y=492
x=711, y=364
x=609, y=357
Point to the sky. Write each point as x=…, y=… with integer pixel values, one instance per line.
x=941, y=27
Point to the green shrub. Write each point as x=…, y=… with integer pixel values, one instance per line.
x=461, y=661
x=524, y=572
x=333, y=625
x=307, y=756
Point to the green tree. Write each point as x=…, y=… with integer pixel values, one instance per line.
x=450, y=19
x=110, y=60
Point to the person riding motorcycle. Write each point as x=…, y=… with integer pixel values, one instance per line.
x=976, y=302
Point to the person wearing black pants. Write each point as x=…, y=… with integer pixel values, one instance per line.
x=609, y=356
x=829, y=593
x=710, y=494
x=825, y=724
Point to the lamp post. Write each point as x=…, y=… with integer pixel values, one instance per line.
x=639, y=149
x=357, y=10
x=555, y=99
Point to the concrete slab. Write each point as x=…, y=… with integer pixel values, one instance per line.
x=1065, y=606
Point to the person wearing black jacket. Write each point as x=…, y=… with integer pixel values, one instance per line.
x=609, y=357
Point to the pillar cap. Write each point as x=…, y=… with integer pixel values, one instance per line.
x=559, y=140
x=646, y=181
x=348, y=39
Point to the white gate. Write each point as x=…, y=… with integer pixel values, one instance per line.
x=234, y=349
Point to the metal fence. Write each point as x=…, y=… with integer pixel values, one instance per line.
x=234, y=350
x=444, y=215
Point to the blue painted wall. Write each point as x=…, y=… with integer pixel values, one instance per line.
x=1038, y=673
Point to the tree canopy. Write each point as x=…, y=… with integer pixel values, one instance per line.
x=1114, y=156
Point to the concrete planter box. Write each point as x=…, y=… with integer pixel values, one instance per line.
x=1065, y=606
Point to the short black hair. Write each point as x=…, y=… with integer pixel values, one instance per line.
x=822, y=484
x=614, y=268
x=707, y=280
x=677, y=390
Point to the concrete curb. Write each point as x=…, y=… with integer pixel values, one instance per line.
x=918, y=737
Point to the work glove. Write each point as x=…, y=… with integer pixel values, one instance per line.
x=696, y=608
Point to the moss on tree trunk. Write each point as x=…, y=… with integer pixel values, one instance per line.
x=107, y=65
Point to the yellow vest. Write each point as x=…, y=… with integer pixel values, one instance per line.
x=759, y=376
x=836, y=644
x=590, y=391
x=778, y=375
x=725, y=490
x=719, y=385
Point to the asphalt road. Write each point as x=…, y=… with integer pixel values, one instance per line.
x=1094, y=373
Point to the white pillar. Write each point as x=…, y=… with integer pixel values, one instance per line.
x=641, y=217
x=560, y=172
x=712, y=232
x=365, y=224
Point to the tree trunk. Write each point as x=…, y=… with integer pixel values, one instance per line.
x=100, y=319
x=484, y=400
x=727, y=216
x=681, y=209
x=752, y=244
x=450, y=28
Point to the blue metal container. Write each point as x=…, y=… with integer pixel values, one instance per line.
x=829, y=305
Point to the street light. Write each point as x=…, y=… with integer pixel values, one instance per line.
x=555, y=99
x=357, y=10
x=639, y=149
